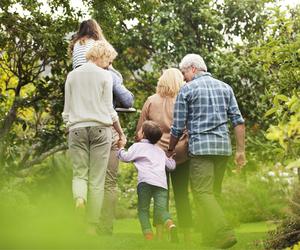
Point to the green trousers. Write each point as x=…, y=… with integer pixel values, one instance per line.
x=206, y=175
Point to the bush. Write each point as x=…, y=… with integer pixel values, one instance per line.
x=255, y=198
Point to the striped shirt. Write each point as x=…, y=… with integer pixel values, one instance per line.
x=80, y=51
x=204, y=105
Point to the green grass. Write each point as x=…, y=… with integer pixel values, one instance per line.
x=65, y=232
x=47, y=220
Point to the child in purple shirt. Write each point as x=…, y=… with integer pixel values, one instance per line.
x=151, y=162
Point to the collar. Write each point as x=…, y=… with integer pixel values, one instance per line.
x=200, y=74
x=145, y=141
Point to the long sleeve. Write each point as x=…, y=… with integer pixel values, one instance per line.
x=170, y=163
x=108, y=98
x=65, y=114
x=128, y=156
x=233, y=112
x=180, y=115
x=121, y=94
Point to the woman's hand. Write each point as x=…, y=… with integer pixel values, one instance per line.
x=122, y=141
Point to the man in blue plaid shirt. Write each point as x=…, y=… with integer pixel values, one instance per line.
x=203, y=106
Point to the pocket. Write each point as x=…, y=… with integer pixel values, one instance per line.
x=76, y=136
x=100, y=134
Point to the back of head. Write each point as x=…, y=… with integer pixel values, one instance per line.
x=193, y=60
x=169, y=83
x=102, y=50
x=87, y=29
x=152, y=131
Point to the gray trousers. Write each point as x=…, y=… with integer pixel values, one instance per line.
x=110, y=189
x=89, y=149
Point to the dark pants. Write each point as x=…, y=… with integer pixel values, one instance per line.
x=180, y=183
x=206, y=174
x=145, y=192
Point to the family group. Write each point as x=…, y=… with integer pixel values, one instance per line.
x=182, y=137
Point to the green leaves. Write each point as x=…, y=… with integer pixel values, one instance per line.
x=33, y=66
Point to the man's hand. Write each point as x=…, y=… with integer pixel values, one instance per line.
x=122, y=141
x=240, y=160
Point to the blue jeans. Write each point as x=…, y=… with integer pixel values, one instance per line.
x=145, y=192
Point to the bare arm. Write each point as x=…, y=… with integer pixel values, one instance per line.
x=122, y=137
x=240, y=157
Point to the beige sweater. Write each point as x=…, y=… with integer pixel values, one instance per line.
x=88, y=97
x=160, y=110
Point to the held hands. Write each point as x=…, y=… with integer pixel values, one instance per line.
x=170, y=153
x=240, y=160
x=122, y=141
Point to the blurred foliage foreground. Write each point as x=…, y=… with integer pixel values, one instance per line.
x=251, y=46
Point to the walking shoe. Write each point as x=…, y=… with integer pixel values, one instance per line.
x=148, y=236
x=172, y=231
x=80, y=204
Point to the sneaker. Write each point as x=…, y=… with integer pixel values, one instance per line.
x=173, y=235
x=80, y=204
x=148, y=236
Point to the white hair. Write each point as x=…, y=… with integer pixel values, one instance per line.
x=194, y=60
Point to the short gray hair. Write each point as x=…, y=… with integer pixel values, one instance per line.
x=194, y=60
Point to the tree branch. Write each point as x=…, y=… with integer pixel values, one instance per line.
x=32, y=167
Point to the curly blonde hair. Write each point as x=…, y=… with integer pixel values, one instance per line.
x=169, y=83
x=102, y=50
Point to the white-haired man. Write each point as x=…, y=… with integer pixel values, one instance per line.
x=204, y=105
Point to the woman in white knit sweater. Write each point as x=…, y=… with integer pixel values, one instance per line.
x=89, y=115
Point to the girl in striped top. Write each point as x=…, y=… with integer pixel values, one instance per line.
x=89, y=32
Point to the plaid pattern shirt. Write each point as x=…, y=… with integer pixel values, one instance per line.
x=204, y=105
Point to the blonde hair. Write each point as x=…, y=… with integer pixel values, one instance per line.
x=169, y=83
x=102, y=50
x=87, y=29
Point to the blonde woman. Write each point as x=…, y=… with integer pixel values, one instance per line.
x=159, y=108
x=88, y=33
x=89, y=116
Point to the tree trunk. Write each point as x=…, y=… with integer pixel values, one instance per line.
x=9, y=120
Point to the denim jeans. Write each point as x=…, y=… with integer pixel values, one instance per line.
x=89, y=149
x=160, y=195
